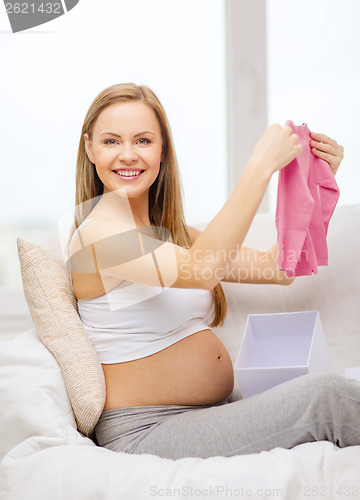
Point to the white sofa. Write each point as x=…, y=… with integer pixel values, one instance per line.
x=44, y=457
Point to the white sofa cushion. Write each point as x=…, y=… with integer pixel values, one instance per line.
x=35, y=408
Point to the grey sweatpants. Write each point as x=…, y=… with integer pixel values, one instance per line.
x=315, y=407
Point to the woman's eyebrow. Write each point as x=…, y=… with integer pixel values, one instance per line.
x=117, y=135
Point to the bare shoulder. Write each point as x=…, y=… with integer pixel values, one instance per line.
x=86, y=278
x=97, y=228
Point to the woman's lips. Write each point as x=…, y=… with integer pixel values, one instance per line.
x=128, y=178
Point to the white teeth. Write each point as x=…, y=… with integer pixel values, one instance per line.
x=127, y=173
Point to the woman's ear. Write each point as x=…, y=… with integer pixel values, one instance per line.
x=88, y=148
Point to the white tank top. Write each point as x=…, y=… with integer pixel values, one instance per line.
x=133, y=321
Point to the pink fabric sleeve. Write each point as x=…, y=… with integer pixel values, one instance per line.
x=294, y=206
x=307, y=197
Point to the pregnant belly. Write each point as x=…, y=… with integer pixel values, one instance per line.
x=196, y=370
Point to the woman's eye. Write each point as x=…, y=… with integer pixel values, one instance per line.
x=148, y=142
x=112, y=141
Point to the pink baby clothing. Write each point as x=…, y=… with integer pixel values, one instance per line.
x=306, y=199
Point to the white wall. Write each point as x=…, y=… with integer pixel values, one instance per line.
x=313, y=54
x=51, y=74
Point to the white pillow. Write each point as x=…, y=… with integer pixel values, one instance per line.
x=35, y=408
x=53, y=307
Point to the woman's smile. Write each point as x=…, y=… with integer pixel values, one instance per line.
x=128, y=174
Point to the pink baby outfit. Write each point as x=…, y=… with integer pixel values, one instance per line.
x=306, y=199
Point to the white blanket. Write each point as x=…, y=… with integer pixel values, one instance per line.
x=44, y=457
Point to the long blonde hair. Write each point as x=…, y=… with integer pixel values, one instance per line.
x=165, y=203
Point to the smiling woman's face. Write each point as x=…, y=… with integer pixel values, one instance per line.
x=126, y=147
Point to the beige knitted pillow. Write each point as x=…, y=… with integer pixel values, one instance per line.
x=53, y=308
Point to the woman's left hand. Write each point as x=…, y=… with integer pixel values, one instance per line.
x=327, y=149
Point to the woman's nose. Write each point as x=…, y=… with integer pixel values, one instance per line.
x=127, y=153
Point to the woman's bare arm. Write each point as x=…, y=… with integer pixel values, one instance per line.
x=114, y=250
x=251, y=266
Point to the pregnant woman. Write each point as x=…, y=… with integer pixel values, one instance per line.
x=149, y=292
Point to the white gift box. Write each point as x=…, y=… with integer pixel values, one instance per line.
x=279, y=347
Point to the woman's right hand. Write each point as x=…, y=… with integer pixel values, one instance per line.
x=276, y=148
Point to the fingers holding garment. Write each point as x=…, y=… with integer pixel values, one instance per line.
x=327, y=149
